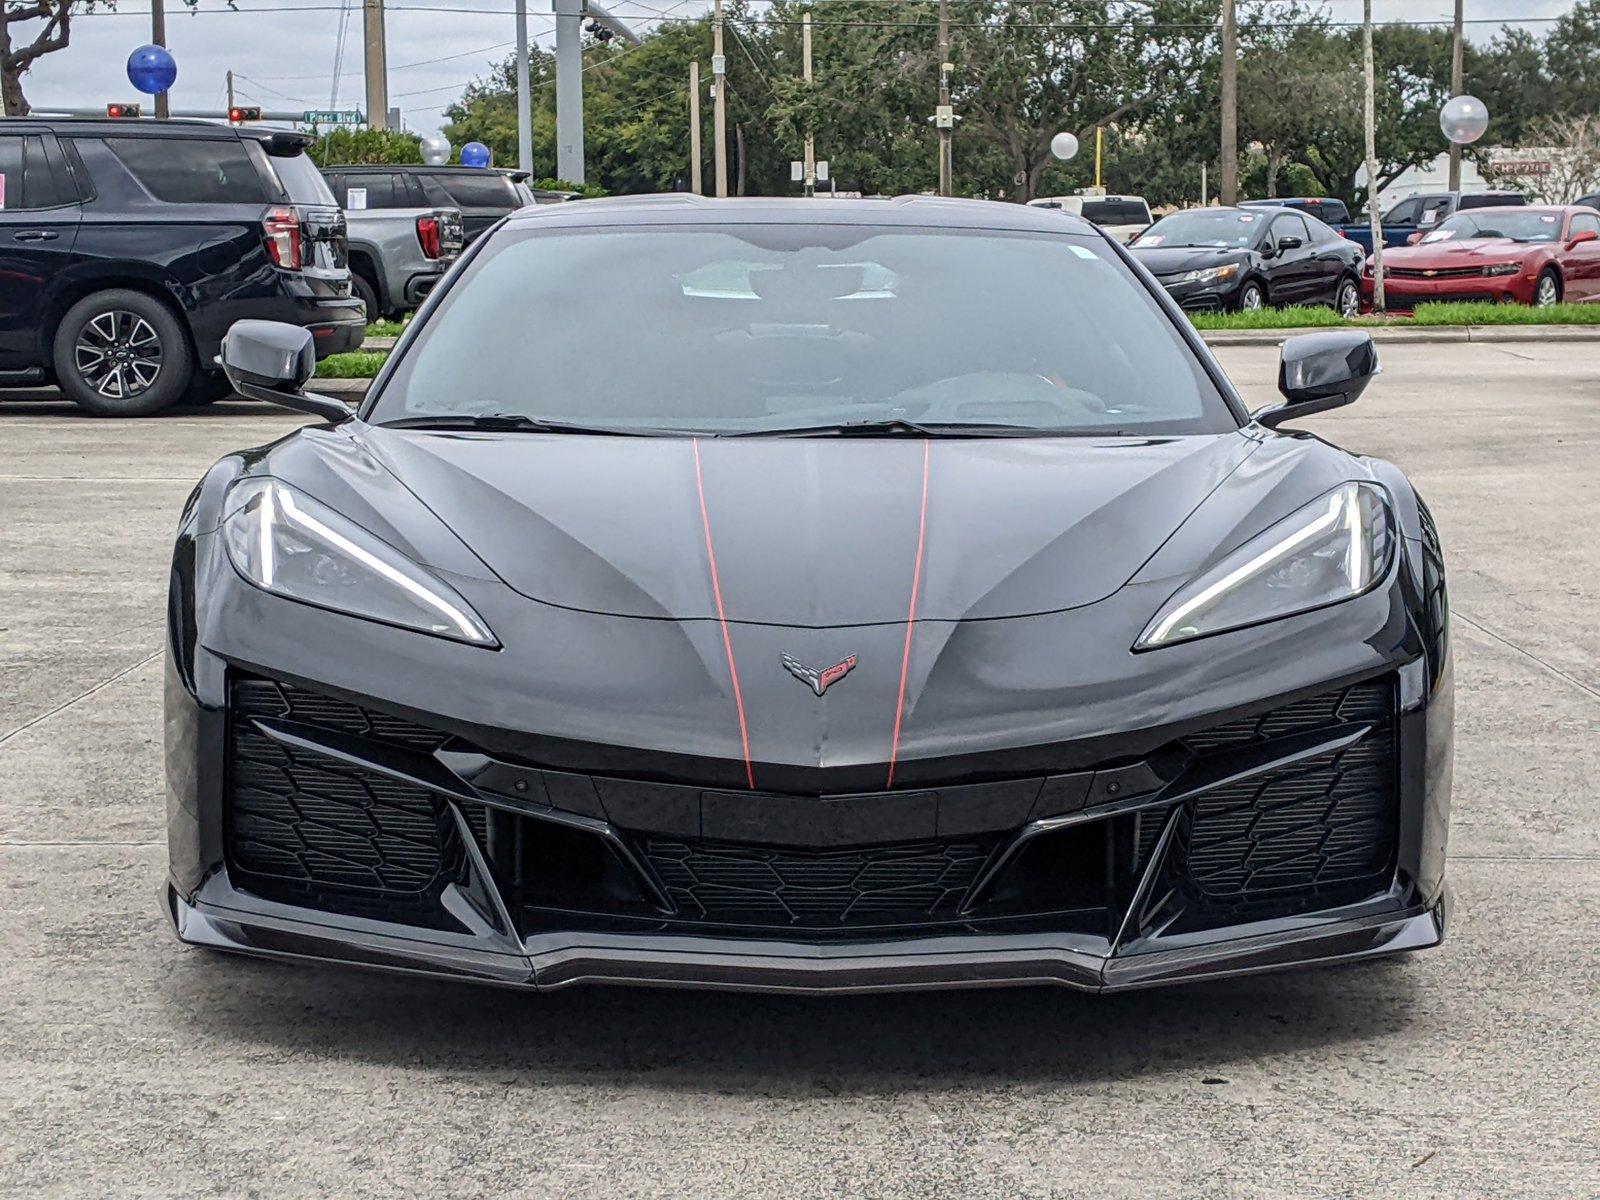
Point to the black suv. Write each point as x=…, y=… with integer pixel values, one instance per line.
x=483, y=194
x=127, y=249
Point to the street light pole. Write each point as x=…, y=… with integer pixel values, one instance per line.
x=805, y=67
x=1456, y=85
x=1375, y=223
x=694, y=127
x=946, y=132
x=158, y=35
x=719, y=103
x=375, y=63
x=524, y=95
x=1229, y=191
x=569, y=90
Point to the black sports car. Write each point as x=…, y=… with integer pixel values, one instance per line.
x=806, y=595
x=1239, y=259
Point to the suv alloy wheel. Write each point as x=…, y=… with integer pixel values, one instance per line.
x=121, y=353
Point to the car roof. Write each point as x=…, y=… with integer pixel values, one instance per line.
x=177, y=127
x=686, y=208
x=428, y=169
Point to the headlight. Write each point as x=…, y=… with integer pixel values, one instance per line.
x=1333, y=549
x=286, y=543
x=1211, y=274
x=1502, y=268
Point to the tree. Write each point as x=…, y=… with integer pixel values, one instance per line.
x=16, y=58
x=1308, y=66
x=352, y=146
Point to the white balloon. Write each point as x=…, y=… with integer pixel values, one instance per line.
x=435, y=150
x=1464, y=119
x=1064, y=146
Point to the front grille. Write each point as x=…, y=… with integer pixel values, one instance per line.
x=914, y=884
x=1433, y=272
x=1326, y=825
x=302, y=828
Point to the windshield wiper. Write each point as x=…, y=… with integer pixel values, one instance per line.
x=900, y=427
x=510, y=422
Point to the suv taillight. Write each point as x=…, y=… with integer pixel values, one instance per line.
x=281, y=229
x=428, y=235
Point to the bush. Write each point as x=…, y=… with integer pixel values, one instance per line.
x=359, y=147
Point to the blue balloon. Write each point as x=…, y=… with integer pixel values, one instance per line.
x=152, y=69
x=475, y=154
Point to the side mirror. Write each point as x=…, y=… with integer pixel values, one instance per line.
x=1582, y=236
x=1290, y=242
x=271, y=361
x=1319, y=371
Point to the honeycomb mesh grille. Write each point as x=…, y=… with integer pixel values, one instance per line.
x=869, y=886
x=329, y=833
x=1329, y=822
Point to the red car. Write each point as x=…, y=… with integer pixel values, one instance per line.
x=1532, y=255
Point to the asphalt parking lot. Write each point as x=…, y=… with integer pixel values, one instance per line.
x=130, y=1065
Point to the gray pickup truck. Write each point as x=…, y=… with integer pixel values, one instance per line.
x=396, y=254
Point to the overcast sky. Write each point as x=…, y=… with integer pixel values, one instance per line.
x=282, y=51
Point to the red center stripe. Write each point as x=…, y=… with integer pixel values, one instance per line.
x=722, y=620
x=911, y=617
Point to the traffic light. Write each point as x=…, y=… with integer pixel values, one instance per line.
x=241, y=113
x=119, y=111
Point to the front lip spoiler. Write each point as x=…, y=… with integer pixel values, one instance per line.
x=229, y=920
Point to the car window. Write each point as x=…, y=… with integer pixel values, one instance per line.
x=1291, y=225
x=1320, y=233
x=191, y=170
x=762, y=328
x=1493, y=200
x=26, y=180
x=1220, y=227
x=1116, y=212
x=1404, y=213
x=300, y=180
x=483, y=190
x=1520, y=225
x=377, y=190
x=1583, y=222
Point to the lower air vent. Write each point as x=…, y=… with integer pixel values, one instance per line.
x=302, y=828
x=869, y=886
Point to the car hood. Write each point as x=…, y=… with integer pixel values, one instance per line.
x=1456, y=254
x=1171, y=260
x=812, y=532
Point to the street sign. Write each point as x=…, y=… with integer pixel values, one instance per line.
x=331, y=116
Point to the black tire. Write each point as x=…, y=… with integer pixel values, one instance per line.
x=207, y=387
x=1347, y=297
x=1548, y=278
x=365, y=292
x=1251, y=289
x=136, y=332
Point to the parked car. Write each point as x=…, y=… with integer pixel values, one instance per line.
x=796, y=649
x=482, y=194
x=127, y=249
x=1326, y=209
x=397, y=255
x=1533, y=255
x=1122, y=217
x=1247, y=258
x=1590, y=201
x=1417, y=215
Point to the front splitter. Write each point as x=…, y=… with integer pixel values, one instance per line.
x=1005, y=960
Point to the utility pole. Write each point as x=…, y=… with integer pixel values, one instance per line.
x=946, y=132
x=805, y=65
x=569, y=90
x=376, y=61
x=1370, y=115
x=694, y=127
x=158, y=35
x=230, y=90
x=719, y=103
x=524, y=95
x=1229, y=191
x=1456, y=85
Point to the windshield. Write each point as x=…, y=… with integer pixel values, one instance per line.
x=774, y=328
x=1223, y=227
x=1520, y=225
